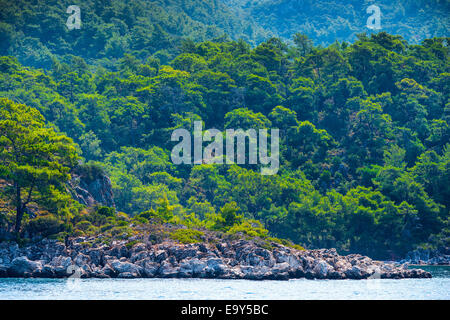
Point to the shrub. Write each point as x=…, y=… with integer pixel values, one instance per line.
x=141, y=220
x=130, y=244
x=45, y=225
x=106, y=227
x=228, y=217
x=121, y=232
x=106, y=211
x=83, y=225
x=252, y=228
x=92, y=230
x=78, y=233
x=90, y=171
x=286, y=243
x=187, y=235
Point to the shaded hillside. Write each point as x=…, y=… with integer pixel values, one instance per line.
x=35, y=31
x=364, y=137
x=326, y=21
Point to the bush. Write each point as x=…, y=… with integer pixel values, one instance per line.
x=83, y=225
x=44, y=225
x=121, y=232
x=106, y=211
x=140, y=220
x=78, y=233
x=90, y=171
x=228, y=217
x=286, y=243
x=92, y=230
x=130, y=244
x=187, y=236
x=106, y=227
x=252, y=228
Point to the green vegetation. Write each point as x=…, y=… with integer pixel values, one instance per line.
x=36, y=32
x=326, y=21
x=364, y=135
x=187, y=235
x=34, y=160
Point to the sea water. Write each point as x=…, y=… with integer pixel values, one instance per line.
x=437, y=287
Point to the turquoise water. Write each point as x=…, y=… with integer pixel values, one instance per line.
x=436, y=288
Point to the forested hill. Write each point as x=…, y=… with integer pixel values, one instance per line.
x=35, y=31
x=326, y=21
x=364, y=140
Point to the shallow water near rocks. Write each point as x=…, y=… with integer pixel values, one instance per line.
x=409, y=289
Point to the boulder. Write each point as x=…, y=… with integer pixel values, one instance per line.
x=95, y=256
x=160, y=256
x=60, y=265
x=125, y=267
x=47, y=271
x=140, y=255
x=354, y=273
x=23, y=267
x=194, y=267
x=91, y=191
x=81, y=260
x=322, y=269
x=3, y=271
x=150, y=269
x=215, y=267
x=108, y=271
x=166, y=270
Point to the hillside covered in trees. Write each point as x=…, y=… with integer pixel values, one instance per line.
x=363, y=119
x=364, y=153
x=35, y=31
x=326, y=21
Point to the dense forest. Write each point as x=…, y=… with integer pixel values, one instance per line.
x=326, y=21
x=364, y=135
x=35, y=31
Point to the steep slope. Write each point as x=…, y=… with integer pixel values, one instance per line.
x=328, y=20
x=36, y=31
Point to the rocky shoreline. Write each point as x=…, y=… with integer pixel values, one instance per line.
x=242, y=259
x=434, y=257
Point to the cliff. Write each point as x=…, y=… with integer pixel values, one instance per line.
x=91, y=189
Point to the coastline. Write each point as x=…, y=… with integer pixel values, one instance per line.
x=239, y=259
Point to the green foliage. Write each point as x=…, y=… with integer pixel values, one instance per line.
x=35, y=160
x=228, y=217
x=187, y=235
x=251, y=228
x=106, y=211
x=44, y=226
x=114, y=30
x=364, y=153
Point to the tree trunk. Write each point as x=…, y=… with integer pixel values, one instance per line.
x=19, y=216
x=19, y=209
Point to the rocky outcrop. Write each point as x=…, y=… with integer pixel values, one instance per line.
x=242, y=259
x=440, y=256
x=91, y=191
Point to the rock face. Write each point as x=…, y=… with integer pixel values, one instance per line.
x=90, y=191
x=440, y=256
x=242, y=259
